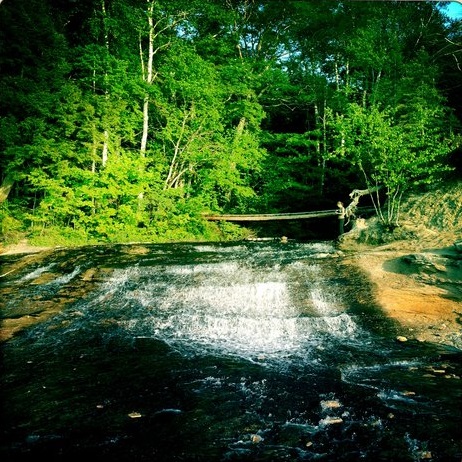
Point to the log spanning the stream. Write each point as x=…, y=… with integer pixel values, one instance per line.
x=271, y=216
x=279, y=216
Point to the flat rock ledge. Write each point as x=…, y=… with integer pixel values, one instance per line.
x=421, y=289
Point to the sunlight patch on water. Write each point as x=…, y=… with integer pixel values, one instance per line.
x=321, y=302
x=263, y=299
x=274, y=337
x=217, y=249
x=213, y=268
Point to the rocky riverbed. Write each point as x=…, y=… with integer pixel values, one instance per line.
x=176, y=352
x=420, y=286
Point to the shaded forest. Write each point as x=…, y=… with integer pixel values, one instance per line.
x=129, y=120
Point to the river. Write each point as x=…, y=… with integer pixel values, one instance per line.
x=243, y=351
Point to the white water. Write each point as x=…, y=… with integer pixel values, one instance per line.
x=37, y=272
x=274, y=312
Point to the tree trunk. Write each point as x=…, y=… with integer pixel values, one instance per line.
x=355, y=195
x=104, y=156
x=148, y=77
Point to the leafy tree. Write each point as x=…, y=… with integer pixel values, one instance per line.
x=208, y=120
x=32, y=67
x=390, y=155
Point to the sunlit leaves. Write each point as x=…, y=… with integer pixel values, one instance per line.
x=390, y=153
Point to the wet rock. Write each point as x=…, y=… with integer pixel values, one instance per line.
x=89, y=274
x=330, y=404
x=329, y=420
x=426, y=262
x=436, y=371
x=408, y=393
x=256, y=439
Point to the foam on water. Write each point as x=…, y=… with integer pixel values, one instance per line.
x=37, y=272
x=234, y=306
x=65, y=278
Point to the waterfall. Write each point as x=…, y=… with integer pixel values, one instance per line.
x=284, y=308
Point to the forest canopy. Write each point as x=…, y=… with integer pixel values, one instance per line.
x=129, y=120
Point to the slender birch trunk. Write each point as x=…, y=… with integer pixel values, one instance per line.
x=148, y=74
x=105, y=151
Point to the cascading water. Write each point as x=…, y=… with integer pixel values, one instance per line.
x=251, y=351
x=231, y=308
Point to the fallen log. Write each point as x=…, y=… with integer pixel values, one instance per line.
x=276, y=216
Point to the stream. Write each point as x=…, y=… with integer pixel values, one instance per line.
x=242, y=351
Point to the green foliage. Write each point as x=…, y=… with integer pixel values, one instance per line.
x=396, y=156
x=252, y=106
x=58, y=236
x=11, y=227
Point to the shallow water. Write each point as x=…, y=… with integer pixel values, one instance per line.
x=254, y=351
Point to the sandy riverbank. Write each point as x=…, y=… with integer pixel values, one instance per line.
x=21, y=247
